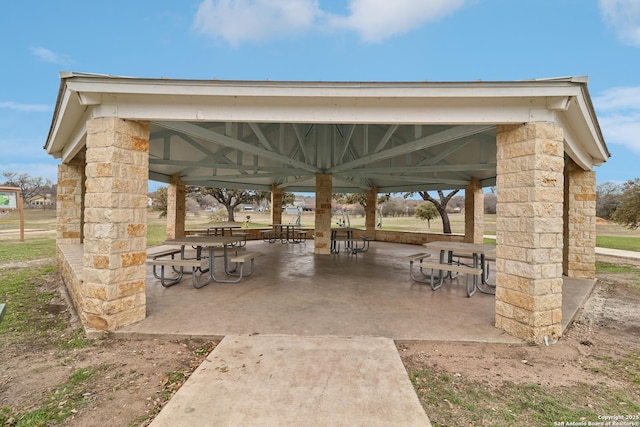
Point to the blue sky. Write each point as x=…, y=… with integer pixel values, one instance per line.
x=330, y=40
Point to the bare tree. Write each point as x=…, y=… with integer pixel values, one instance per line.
x=608, y=197
x=457, y=202
x=490, y=203
x=393, y=208
x=628, y=211
x=29, y=186
x=208, y=201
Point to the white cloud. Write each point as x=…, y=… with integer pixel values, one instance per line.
x=37, y=108
x=619, y=116
x=238, y=21
x=624, y=17
x=376, y=20
x=47, y=55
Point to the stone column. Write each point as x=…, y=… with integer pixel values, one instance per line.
x=473, y=212
x=529, y=230
x=277, y=197
x=370, y=213
x=69, y=203
x=115, y=222
x=176, y=207
x=579, y=222
x=323, y=215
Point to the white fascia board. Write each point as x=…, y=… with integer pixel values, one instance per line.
x=589, y=121
x=467, y=102
x=583, y=139
x=313, y=102
x=207, y=88
x=55, y=145
x=76, y=139
x=68, y=130
x=574, y=145
x=321, y=110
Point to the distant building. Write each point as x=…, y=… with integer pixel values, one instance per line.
x=40, y=201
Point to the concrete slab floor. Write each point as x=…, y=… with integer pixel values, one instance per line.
x=295, y=292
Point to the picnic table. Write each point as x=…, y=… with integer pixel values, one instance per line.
x=201, y=264
x=451, y=254
x=286, y=233
x=346, y=235
x=219, y=230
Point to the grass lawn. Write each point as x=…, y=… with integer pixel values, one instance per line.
x=618, y=242
x=609, y=235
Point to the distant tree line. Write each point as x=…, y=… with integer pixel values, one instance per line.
x=401, y=205
x=619, y=203
x=231, y=199
x=614, y=202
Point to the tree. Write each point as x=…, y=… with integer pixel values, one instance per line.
x=227, y=197
x=160, y=201
x=440, y=204
x=628, y=211
x=29, y=186
x=207, y=201
x=490, y=203
x=426, y=211
x=288, y=199
x=607, y=199
x=360, y=198
x=457, y=202
x=392, y=208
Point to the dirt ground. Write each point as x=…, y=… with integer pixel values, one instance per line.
x=135, y=378
x=608, y=324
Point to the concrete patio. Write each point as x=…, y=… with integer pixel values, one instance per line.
x=294, y=292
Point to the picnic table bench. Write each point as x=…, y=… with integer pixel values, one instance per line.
x=415, y=258
x=241, y=260
x=178, y=266
x=450, y=264
x=162, y=254
x=468, y=257
x=457, y=268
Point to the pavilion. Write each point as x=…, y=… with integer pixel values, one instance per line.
x=536, y=141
